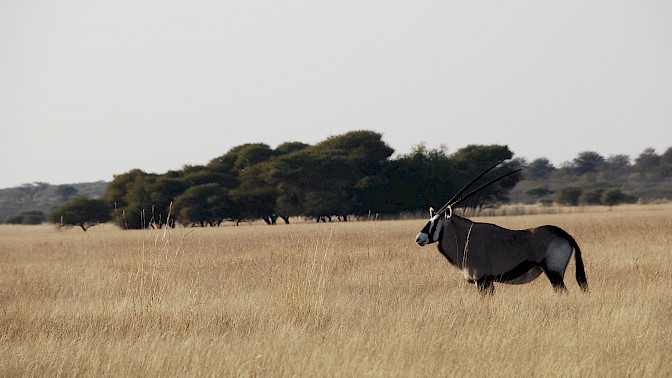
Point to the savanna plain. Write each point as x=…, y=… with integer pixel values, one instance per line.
x=337, y=299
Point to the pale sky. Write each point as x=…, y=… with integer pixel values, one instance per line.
x=89, y=89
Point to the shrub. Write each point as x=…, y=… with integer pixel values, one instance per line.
x=539, y=191
x=591, y=197
x=568, y=196
x=30, y=217
x=14, y=219
x=615, y=196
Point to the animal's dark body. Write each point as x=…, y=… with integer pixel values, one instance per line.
x=487, y=253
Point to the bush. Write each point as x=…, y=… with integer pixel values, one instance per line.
x=613, y=197
x=539, y=191
x=14, y=219
x=568, y=196
x=591, y=197
x=31, y=217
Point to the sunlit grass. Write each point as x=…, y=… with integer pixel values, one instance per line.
x=350, y=299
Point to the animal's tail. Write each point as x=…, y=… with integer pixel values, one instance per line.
x=580, y=270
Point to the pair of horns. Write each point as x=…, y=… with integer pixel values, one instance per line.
x=457, y=199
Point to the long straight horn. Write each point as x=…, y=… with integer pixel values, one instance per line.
x=464, y=188
x=484, y=186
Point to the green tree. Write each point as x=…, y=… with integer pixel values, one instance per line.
x=539, y=192
x=666, y=163
x=588, y=162
x=647, y=162
x=240, y=157
x=30, y=217
x=346, y=166
x=117, y=190
x=130, y=195
x=616, y=167
x=568, y=196
x=255, y=198
x=614, y=196
x=31, y=190
x=424, y=178
x=163, y=192
x=66, y=191
x=140, y=212
x=204, y=205
x=539, y=168
x=289, y=147
x=591, y=197
x=82, y=212
x=472, y=160
x=312, y=170
x=14, y=219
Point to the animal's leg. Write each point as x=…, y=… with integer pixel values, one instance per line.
x=557, y=281
x=485, y=286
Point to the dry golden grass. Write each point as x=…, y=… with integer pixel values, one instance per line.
x=355, y=299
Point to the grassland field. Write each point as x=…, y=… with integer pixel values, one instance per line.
x=340, y=299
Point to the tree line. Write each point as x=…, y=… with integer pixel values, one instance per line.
x=347, y=175
x=592, y=179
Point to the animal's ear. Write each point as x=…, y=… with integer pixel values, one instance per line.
x=431, y=212
x=449, y=212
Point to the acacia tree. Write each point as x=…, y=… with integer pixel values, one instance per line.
x=255, y=198
x=588, y=162
x=568, y=196
x=81, y=211
x=420, y=179
x=471, y=160
x=617, y=165
x=204, y=205
x=647, y=162
x=31, y=190
x=666, y=163
x=66, y=191
x=163, y=193
x=334, y=177
x=539, y=168
x=123, y=195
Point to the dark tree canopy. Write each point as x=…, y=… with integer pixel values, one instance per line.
x=30, y=190
x=207, y=204
x=30, y=217
x=647, y=161
x=344, y=175
x=66, y=191
x=255, y=197
x=472, y=160
x=81, y=211
x=539, y=168
x=588, y=162
x=568, y=196
x=617, y=165
x=666, y=163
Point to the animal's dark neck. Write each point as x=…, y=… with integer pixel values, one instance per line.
x=460, y=226
x=453, y=239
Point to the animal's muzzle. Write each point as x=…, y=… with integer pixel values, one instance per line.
x=421, y=239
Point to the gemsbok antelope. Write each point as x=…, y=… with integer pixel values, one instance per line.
x=487, y=253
